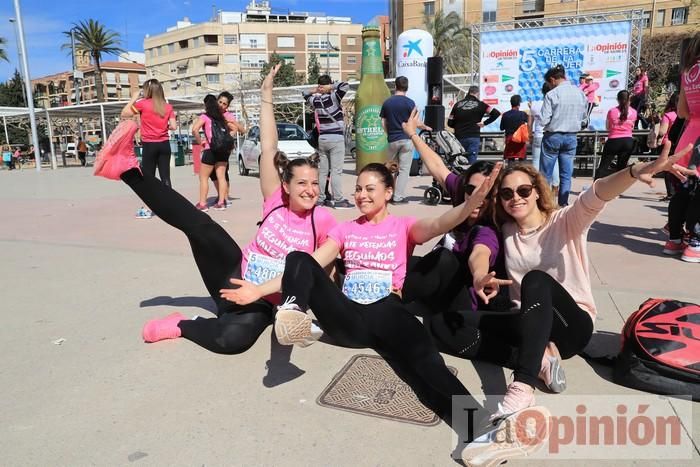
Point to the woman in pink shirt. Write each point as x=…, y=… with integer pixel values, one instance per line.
x=291, y=221
x=684, y=206
x=547, y=260
x=157, y=117
x=640, y=91
x=620, y=143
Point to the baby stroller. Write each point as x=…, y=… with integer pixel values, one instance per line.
x=453, y=155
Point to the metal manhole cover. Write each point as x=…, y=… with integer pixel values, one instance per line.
x=368, y=386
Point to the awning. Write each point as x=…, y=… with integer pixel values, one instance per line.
x=211, y=59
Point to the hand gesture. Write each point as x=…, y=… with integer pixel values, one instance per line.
x=246, y=293
x=487, y=286
x=665, y=163
x=268, y=82
x=479, y=195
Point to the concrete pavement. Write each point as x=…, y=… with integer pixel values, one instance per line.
x=77, y=265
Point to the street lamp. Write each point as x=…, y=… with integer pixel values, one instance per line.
x=77, y=77
x=19, y=58
x=329, y=47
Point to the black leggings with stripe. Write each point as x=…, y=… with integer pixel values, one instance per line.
x=218, y=257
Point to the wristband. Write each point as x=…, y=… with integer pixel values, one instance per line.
x=631, y=172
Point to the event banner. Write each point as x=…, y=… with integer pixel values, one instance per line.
x=514, y=62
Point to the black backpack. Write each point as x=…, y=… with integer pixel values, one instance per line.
x=221, y=140
x=660, y=349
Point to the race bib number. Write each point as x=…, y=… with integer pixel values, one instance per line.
x=367, y=286
x=262, y=268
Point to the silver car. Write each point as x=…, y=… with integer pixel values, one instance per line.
x=292, y=140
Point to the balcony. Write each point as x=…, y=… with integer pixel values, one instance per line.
x=527, y=7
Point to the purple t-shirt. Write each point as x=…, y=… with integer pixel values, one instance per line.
x=465, y=241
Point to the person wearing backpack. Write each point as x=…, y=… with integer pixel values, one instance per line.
x=157, y=117
x=217, y=146
x=291, y=221
x=511, y=123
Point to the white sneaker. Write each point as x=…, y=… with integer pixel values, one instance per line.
x=518, y=435
x=293, y=326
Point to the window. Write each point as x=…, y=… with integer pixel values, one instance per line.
x=195, y=42
x=211, y=39
x=184, y=44
x=171, y=48
x=151, y=53
x=142, y=79
x=110, y=78
x=212, y=79
x=429, y=8
x=679, y=16
x=352, y=59
x=124, y=78
x=322, y=41
x=489, y=9
x=290, y=59
x=329, y=60
x=660, y=18
x=253, y=41
x=231, y=59
x=230, y=39
x=646, y=19
x=285, y=41
x=351, y=41
x=253, y=60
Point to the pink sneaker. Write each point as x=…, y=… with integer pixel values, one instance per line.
x=551, y=371
x=518, y=396
x=220, y=206
x=202, y=207
x=691, y=254
x=117, y=156
x=165, y=328
x=673, y=248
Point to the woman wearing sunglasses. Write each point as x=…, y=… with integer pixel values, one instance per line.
x=547, y=261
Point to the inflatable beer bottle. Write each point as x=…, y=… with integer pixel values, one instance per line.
x=370, y=139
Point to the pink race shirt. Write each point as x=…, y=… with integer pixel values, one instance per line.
x=282, y=231
x=640, y=84
x=589, y=90
x=376, y=248
x=154, y=128
x=618, y=129
x=690, y=83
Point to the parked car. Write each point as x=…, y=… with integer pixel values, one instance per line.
x=292, y=140
x=71, y=149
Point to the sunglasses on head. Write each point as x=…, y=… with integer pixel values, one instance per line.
x=524, y=191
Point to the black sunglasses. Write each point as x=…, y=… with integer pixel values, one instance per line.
x=524, y=191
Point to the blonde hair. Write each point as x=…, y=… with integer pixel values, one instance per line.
x=545, y=202
x=153, y=90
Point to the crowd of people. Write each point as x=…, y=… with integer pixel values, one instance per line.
x=508, y=282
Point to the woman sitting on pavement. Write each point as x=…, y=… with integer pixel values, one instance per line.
x=290, y=221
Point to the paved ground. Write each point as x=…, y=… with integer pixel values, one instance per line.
x=77, y=265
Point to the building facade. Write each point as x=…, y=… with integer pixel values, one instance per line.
x=660, y=16
x=119, y=80
x=228, y=53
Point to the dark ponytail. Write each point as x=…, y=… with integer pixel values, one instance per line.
x=382, y=171
x=285, y=167
x=623, y=100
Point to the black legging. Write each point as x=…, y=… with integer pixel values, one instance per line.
x=156, y=154
x=218, y=258
x=620, y=148
x=639, y=104
x=684, y=208
x=517, y=339
x=385, y=326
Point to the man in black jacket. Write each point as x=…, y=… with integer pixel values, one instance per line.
x=467, y=119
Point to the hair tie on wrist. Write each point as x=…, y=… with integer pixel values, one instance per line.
x=266, y=102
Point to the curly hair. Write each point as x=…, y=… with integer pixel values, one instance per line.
x=545, y=202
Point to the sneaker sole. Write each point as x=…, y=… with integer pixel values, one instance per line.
x=557, y=375
x=513, y=431
x=293, y=328
x=690, y=259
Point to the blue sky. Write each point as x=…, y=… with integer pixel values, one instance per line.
x=44, y=21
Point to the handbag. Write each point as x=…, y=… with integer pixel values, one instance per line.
x=521, y=135
x=314, y=133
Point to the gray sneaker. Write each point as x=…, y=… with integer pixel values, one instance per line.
x=343, y=204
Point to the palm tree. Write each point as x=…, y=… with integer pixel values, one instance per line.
x=3, y=52
x=94, y=39
x=450, y=39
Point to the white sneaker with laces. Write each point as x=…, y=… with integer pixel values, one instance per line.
x=293, y=326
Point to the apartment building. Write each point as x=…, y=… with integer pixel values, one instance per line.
x=660, y=16
x=119, y=80
x=229, y=52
